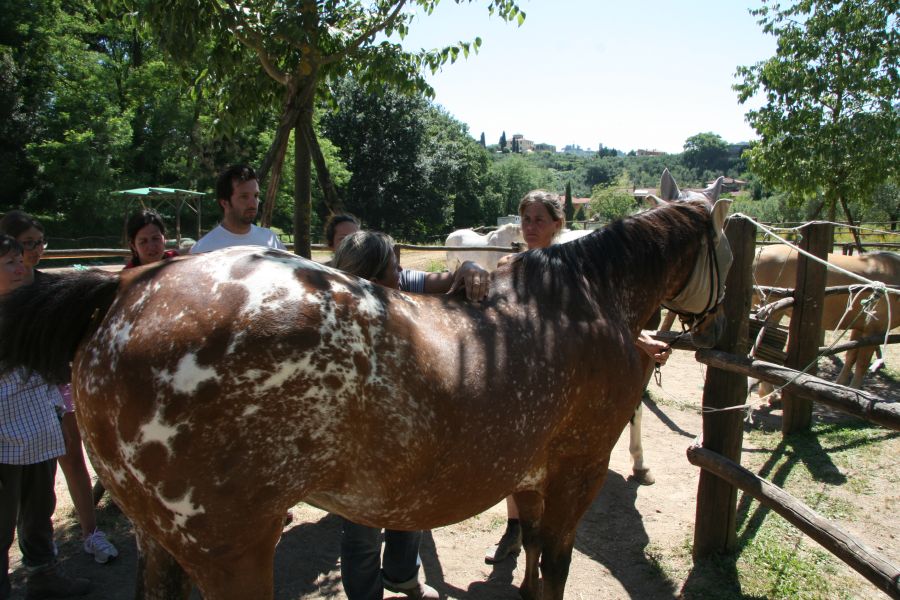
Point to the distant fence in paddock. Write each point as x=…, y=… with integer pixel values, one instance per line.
x=725, y=391
x=101, y=253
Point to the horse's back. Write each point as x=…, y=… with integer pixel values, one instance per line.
x=776, y=266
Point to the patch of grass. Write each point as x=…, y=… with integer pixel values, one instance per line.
x=829, y=469
x=659, y=399
x=435, y=266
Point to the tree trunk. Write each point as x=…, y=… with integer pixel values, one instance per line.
x=332, y=200
x=302, y=185
x=273, y=183
x=853, y=228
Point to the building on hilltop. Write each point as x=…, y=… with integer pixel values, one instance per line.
x=653, y=152
x=521, y=145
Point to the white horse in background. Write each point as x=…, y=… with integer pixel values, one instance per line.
x=466, y=238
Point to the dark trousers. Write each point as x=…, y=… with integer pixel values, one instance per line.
x=27, y=502
x=362, y=570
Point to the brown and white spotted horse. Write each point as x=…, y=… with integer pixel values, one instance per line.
x=218, y=390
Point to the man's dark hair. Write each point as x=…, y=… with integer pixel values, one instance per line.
x=226, y=179
x=335, y=220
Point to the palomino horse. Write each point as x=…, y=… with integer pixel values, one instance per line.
x=466, y=238
x=220, y=389
x=776, y=266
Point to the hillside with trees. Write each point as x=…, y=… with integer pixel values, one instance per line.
x=92, y=102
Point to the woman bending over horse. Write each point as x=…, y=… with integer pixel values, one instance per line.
x=542, y=219
x=469, y=276
x=370, y=255
x=30, y=234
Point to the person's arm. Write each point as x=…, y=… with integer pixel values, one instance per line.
x=657, y=350
x=470, y=275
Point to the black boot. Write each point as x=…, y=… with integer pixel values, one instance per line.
x=50, y=583
x=510, y=543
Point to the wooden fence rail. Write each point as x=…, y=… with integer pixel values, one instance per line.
x=866, y=561
x=82, y=253
x=855, y=402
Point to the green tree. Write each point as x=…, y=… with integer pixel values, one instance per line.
x=569, y=207
x=612, y=201
x=830, y=120
x=706, y=152
x=510, y=178
x=294, y=46
x=482, y=141
x=503, y=142
x=416, y=171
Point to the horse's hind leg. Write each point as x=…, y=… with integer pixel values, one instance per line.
x=159, y=576
x=568, y=497
x=531, y=506
x=640, y=473
x=247, y=570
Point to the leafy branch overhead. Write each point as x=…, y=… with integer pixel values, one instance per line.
x=828, y=126
x=297, y=44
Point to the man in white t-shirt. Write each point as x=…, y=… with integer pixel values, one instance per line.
x=237, y=192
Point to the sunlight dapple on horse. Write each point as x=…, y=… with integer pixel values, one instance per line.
x=218, y=390
x=776, y=266
x=504, y=236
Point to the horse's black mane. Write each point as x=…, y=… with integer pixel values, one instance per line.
x=43, y=343
x=581, y=273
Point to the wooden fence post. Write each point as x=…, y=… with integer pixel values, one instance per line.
x=714, y=525
x=806, y=320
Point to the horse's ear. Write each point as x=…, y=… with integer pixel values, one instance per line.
x=719, y=214
x=713, y=191
x=668, y=189
x=653, y=201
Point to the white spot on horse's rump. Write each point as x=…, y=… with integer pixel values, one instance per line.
x=158, y=431
x=188, y=375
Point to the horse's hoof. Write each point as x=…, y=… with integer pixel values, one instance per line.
x=643, y=476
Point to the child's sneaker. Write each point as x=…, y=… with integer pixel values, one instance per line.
x=100, y=547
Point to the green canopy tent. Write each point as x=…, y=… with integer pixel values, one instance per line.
x=155, y=197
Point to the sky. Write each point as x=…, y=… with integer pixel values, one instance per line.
x=628, y=74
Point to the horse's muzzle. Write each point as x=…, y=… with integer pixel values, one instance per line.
x=706, y=333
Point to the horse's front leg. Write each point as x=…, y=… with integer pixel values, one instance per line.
x=159, y=576
x=531, y=507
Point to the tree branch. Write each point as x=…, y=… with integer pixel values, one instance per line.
x=355, y=44
x=254, y=41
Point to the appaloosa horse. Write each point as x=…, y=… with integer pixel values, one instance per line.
x=220, y=389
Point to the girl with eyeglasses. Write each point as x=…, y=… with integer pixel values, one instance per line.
x=29, y=234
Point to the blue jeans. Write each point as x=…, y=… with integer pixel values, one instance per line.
x=362, y=571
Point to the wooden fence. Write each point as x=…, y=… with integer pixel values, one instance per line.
x=726, y=388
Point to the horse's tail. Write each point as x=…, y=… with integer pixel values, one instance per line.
x=42, y=324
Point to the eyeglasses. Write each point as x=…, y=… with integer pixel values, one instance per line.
x=32, y=244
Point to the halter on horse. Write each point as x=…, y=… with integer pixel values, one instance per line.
x=218, y=390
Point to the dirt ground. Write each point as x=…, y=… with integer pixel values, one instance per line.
x=611, y=550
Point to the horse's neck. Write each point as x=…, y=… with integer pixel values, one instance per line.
x=656, y=265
